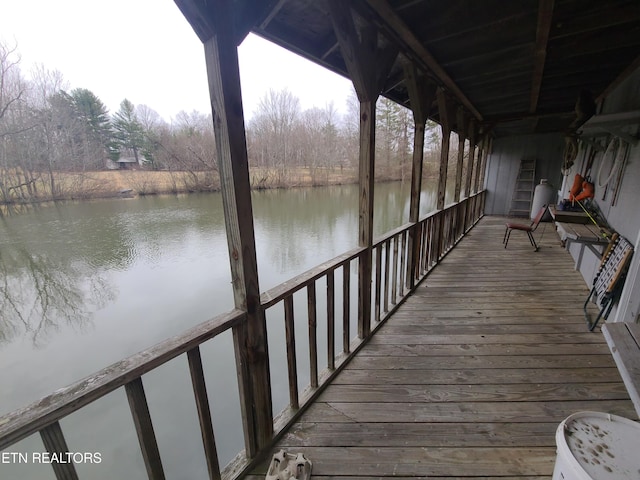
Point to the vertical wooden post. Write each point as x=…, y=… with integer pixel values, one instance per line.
x=55, y=444
x=204, y=412
x=251, y=350
x=144, y=429
x=474, y=186
x=481, y=153
x=461, y=121
x=365, y=217
x=313, y=335
x=485, y=157
x=292, y=364
x=331, y=321
x=421, y=95
x=346, y=307
x=472, y=153
x=368, y=65
x=444, y=110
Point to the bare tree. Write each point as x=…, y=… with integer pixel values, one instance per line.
x=273, y=128
x=13, y=123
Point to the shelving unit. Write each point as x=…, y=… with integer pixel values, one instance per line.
x=623, y=125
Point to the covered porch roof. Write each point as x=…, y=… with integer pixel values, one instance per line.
x=516, y=67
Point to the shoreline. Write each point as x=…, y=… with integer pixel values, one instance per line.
x=82, y=186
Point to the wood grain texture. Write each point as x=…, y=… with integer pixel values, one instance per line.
x=471, y=376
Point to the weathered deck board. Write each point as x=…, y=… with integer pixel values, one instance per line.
x=471, y=376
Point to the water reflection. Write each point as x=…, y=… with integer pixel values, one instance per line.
x=83, y=285
x=41, y=291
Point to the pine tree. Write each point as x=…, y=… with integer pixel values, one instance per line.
x=96, y=117
x=128, y=131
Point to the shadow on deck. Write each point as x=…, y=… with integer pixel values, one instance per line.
x=473, y=373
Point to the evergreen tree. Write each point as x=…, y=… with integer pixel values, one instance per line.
x=96, y=117
x=128, y=131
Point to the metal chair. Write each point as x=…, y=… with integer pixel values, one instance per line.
x=529, y=229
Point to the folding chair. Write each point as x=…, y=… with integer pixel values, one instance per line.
x=607, y=285
x=529, y=229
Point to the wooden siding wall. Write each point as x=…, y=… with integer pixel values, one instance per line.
x=624, y=216
x=504, y=161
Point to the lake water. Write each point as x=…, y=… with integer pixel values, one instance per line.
x=83, y=285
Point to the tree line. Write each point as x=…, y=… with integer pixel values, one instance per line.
x=48, y=129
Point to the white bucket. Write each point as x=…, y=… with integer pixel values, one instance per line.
x=597, y=446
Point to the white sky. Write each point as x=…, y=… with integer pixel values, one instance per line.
x=146, y=51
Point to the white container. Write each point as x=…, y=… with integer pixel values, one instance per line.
x=597, y=446
x=542, y=195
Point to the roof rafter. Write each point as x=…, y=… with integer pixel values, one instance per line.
x=391, y=18
x=545, y=15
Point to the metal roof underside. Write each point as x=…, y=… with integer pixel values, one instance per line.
x=517, y=66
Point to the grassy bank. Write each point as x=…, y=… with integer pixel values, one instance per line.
x=23, y=188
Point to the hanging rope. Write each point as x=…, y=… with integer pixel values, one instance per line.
x=570, y=152
x=616, y=159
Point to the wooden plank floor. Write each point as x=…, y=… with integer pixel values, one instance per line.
x=472, y=375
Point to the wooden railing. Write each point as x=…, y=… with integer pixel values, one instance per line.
x=395, y=274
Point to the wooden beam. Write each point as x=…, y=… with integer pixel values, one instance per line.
x=482, y=152
x=274, y=11
x=445, y=110
x=461, y=126
x=473, y=127
x=366, y=180
x=245, y=15
x=485, y=158
x=422, y=92
x=397, y=25
x=477, y=162
x=250, y=338
x=368, y=62
x=545, y=16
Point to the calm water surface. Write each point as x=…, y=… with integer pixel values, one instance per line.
x=85, y=285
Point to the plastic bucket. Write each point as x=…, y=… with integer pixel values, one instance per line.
x=597, y=446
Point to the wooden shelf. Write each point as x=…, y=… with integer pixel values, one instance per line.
x=614, y=124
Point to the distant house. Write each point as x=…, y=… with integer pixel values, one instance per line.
x=123, y=163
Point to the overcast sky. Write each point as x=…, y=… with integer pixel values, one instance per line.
x=146, y=51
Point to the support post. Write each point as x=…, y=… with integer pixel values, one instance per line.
x=461, y=121
x=476, y=176
x=365, y=209
x=422, y=92
x=444, y=110
x=252, y=358
x=368, y=64
x=485, y=157
x=471, y=156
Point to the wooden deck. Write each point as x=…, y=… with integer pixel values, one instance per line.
x=472, y=375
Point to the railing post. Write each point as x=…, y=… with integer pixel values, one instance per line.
x=144, y=429
x=55, y=444
x=251, y=349
x=204, y=412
